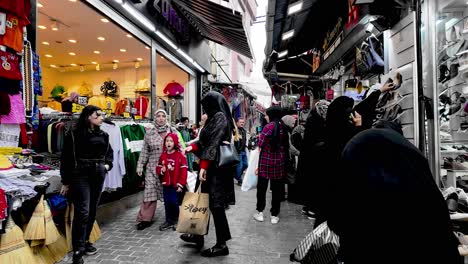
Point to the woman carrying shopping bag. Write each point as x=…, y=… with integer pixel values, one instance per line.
x=215, y=180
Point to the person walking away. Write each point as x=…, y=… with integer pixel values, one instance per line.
x=274, y=149
x=217, y=181
x=390, y=201
x=241, y=146
x=86, y=158
x=172, y=168
x=149, y=157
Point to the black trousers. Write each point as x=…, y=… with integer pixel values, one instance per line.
x=85, y=188
x=277, y=191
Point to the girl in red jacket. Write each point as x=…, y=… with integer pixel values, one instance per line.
x=172, y=170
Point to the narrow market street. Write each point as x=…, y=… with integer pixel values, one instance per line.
x=252, y=242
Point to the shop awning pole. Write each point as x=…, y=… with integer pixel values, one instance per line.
x=219, y=65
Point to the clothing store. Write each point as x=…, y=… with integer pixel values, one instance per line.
x=127, y=58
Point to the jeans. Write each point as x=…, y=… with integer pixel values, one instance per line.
x=243, y=164
x=171, y=204
x=85, y=194
x=277, y=191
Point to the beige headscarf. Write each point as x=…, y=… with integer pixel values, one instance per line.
x=289, y=121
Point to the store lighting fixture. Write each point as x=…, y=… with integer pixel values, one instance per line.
x=54, y=26
x=46, y=43
x=167, y=40
x=296, y=7
x=101, y=38
x=48, y=56
x=72, y=53
x=282, y=54
x=93, y=62
x=119, y=1
x=138, y=16
x=115, y=61
x=123, y=50
x=53, y=66
x=73, y=64
x=137, y=65
x=40, y=5
x=42, y=27
x=288, y=35
x=198, y=66
x=97, y=52
x=72, y=41
x=72, y=0
x=146, y=47
x=185, y=55
x=129, y=36
x=115, y=66
x=105, y=20
x=82, y=68
x=139, y=59
x=98, y=67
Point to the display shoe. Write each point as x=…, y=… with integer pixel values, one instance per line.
x=143, y=225
x=189, y=238
x=90, y=249
x=78, y=257
x=166, y=226
x=444, y=73
x=216, y=251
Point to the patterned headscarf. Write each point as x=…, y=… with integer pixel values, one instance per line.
x=322, y=108
x=163, y=128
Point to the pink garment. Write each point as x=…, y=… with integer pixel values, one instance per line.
x=16, y=115
x=146, y=212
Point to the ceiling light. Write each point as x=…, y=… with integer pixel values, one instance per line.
x=129, y=36
x=82, y=68
x=105, y=20
x=45, y=43
x=123, y=50
x=73, y=64
x=198, y=66
x=42, y=27
x=97, y=52
x=288, y=35
x=167, y=40
x=93, y=62
x=53, y=66
x=72, y=0
x=147, y=47
x=98, y=67
x=282, y=54
x=72, y=53
x=48, y=56
x=119, y=1
x=101, y=38
x=162, y=57
x=72, y=41
x=39, y=5
x=294, y=8
x=115, y=61
x=137, y=65
x=139, y=59
x=54, y=26
x=115, y=66
x=136, y=14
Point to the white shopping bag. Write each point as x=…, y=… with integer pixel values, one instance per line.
x=191, y=181
x=250, y=179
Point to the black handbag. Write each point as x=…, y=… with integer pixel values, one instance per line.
x=227, y=155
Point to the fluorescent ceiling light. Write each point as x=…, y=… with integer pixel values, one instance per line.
x=136, y=14
x=45, y=43
x=139, y=59
x=42, y=27
x=115, y=61
x=73, y=64
x=294, y=8
x=48, y=56
x=167, y=40
x=147, y=46
x=72, y=53
x=198, y=66
x=282, y=54
x=93, y=62
x=105, y=20
x=39, y=5
x=72, y=40
x=101, y=38
x=123, y=50
x=97, y=52
x=129, y=36
x=53, y=66
x=288, y=34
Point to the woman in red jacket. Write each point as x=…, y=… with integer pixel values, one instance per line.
x=172, y=170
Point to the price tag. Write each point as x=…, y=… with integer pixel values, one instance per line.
x=77, y=108
x=83, y=100
x=127, y=115
x=137, y=117
x=127, y=109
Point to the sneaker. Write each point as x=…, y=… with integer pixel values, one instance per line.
x=274, y=220
x=78, y=257
x=259, y=217
x=166, y=226
x=90, y=249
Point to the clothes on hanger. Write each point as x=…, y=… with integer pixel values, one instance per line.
x=132, y=137
x=16, y=115
x=141, y=104
x=9, y=135
x=114, y=176
x=175, y=109
x=103, y=102
x=13, y=37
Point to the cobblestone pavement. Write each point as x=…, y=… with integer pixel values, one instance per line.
x=252, y=242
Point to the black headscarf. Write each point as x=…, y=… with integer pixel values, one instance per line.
x=214, y=102
x=386, y=199
x=275, y=113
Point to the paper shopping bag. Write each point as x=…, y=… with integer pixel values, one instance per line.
x=194, y=215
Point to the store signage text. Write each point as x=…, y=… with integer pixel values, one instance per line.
x=331, y=36
x=171, y=18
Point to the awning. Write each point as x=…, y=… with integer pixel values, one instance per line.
x=217, y=23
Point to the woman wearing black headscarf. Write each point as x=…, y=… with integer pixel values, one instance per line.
x=389, y=208
x=217, y=181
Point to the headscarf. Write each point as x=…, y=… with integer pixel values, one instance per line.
x=394, y=186
x=213, y=103
x=289, y=121
x=73, y=96
x=161, y=128
x=275, y=113
x=322, y=108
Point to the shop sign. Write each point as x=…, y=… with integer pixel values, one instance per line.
x=333, y=47
x=333, y=34
x=126, y=115
x=172, y=19
x=316, y=61
x=137, y=117
x=83, y=100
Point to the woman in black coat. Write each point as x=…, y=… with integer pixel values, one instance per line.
x=217, y=181
x=388, y=207
x=86, y=158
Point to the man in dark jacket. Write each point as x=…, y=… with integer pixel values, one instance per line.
x=241, y=149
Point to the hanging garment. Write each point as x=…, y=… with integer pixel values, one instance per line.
x=16, y=115
x=175, y=109
x=20, y=8
x=9, y=135
x=9, y=66
x=13, y=37
x=120, y=107
x=28, y=79
x=141, y=104
x=132, y=137
x=102, y=102
x=114, y=176
x=173, y=89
